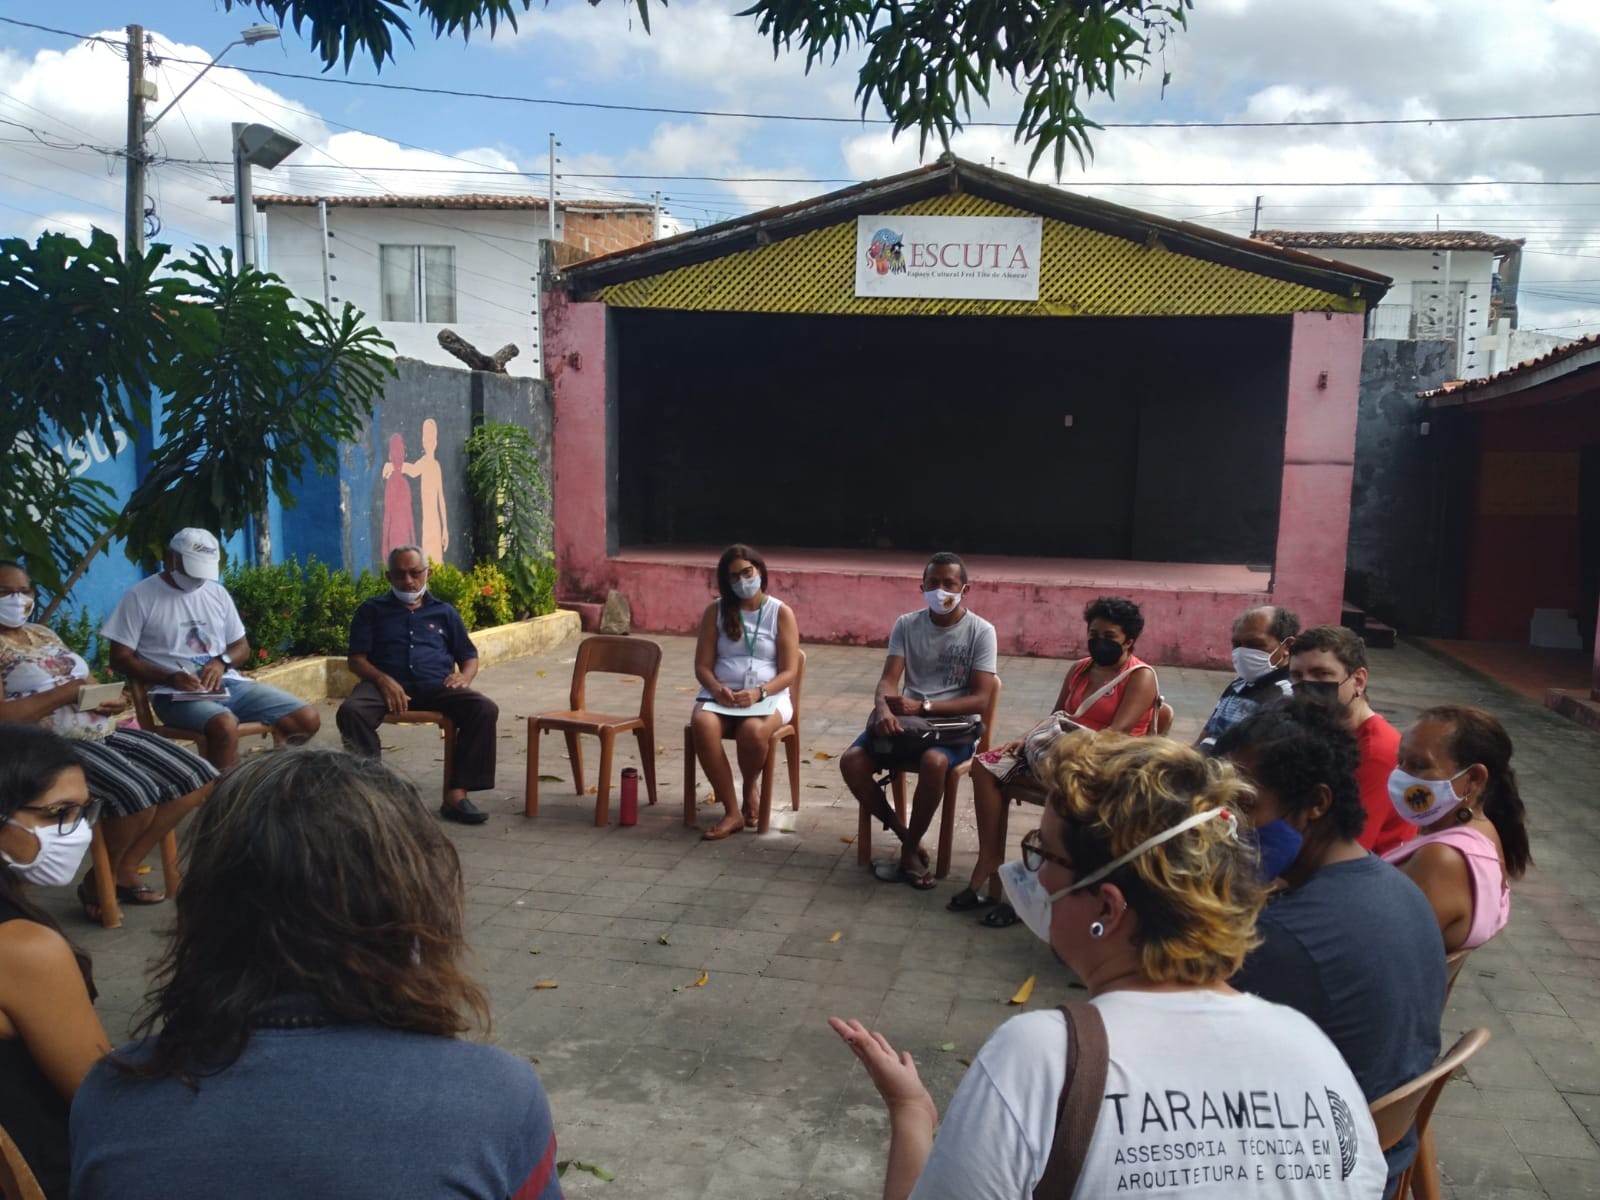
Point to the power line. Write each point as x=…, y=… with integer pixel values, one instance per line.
x=502, y=97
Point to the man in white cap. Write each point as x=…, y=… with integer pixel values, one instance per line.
x=179, y=633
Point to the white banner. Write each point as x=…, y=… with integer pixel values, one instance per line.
x=975, y=258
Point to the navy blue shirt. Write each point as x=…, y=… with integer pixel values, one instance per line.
x=417, y=646
x=1357, y=949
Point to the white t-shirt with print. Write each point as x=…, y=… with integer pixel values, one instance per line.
x=1207, y=1095
x=176, y=630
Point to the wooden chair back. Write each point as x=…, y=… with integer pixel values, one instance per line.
x=1411, y=1104
x=16, y=1177
x=610, y=654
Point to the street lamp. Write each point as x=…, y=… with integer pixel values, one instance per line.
x=247, y=37
x=253, y=146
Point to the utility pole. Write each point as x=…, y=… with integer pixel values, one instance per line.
x=139, y=91
x=552, y=191
x=655, y=218
x=1255, y=222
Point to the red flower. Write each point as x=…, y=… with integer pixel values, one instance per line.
x=488, y=591
x=261, y=654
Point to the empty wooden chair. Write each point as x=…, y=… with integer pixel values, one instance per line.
x=16, y=1177
x=147, y=720
x=612, y=655
x=786, y=735
x=420, y=716
x=947, y=805
x=1411, y=1104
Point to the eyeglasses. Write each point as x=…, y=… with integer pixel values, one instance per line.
x=1034, y=855
x=67, y=816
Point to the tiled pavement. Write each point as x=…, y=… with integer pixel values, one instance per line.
x=737, y=1089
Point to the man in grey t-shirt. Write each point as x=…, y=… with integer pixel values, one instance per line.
x=946, y=656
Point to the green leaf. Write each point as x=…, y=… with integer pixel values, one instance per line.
x=947, y=1047
x=574, y=1164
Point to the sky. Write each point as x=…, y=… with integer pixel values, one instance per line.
x=63, y=121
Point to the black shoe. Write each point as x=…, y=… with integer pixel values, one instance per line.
x=466, y=813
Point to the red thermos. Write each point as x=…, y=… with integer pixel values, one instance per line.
x=629, y=814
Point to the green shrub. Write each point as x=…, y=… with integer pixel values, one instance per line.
x=81, y=634
x=511, y=513
x=452, y=585
x=491, y=596
x=332, y=597
x=272, y=603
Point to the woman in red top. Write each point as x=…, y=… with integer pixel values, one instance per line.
x=1110, y=689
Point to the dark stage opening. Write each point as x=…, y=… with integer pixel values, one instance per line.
x=917, y=433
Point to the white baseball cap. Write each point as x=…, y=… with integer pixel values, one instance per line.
x=198, y=550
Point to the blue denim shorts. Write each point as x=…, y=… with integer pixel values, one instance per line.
x=247, y=701
x=956, y=754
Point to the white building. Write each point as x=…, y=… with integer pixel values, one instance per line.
x=1450, y=285
x=419, y=264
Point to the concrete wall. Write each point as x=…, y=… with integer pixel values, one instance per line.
x=496, y=257
x=1405, y=560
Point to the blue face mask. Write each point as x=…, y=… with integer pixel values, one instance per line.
x=1278, y=844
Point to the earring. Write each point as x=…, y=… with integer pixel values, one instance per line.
x=1463, y=814
x=1097, y=930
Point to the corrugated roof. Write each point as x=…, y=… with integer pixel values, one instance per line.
x=472, y=200
x=1526, y=374
x=1433, y=239
x=951, y=174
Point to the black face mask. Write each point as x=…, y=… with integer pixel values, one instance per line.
x=1104, y=651
x=1320, y=690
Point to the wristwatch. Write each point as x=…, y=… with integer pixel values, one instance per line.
x=927, y=707
x=226, y=661
x=763, y=690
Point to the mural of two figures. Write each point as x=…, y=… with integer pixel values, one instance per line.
x=399, y=520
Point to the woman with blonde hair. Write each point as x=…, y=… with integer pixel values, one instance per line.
x=1168, y=1080
x=303, y=1036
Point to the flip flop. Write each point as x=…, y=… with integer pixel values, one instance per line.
x=923, y=883
x=967, y=900
x=888, y=872
x=140, y=894
x=716, y=833
x=1002, y=916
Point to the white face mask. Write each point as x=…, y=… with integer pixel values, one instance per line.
x=1250, y=664
x=14, y=611
x=747, y=587
x=58, y=857
x=1423, y=801
x=1025, y=891
x=186, y=583
x=940, y=601
x=407, y=597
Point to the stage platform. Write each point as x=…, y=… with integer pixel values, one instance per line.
x=1036, y=604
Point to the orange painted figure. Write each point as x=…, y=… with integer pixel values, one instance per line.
x=435, y=512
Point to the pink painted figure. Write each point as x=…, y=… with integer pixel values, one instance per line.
x=435, y=513
x=399, y=529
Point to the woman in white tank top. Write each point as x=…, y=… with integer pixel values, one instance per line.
x=746, y=657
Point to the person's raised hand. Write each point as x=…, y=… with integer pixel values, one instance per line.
x=394, y=696
x=893, y=1073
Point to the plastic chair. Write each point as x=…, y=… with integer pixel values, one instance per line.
x=947, y=815
x=105, y=884
x=1425, y=1167
x=1411, y=1104
x=147, y=721
x=610, y=655
x=422, y=716
x=788, y=734
x=16, y=1177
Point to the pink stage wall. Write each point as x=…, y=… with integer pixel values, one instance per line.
x=1036, y=606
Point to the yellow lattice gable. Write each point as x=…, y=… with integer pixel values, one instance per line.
x=1083, y=273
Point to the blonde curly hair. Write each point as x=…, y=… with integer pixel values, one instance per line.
x=1196, y=896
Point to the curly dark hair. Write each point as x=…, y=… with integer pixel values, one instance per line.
x=312, y=874
x=1120, y=611
x=1295, y=745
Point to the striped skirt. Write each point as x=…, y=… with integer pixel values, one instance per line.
x=132, y=770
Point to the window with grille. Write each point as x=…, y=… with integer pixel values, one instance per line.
x=418, y=283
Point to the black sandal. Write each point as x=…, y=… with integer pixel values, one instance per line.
x=967, y=900
x=1003, y=916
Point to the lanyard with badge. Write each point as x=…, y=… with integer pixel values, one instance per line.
x=751, y=634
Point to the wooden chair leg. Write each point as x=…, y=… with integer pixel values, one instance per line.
x=105, y=883
x=602, y=799
x=647, y=758
x=690, y=820
x=864, y=837
x=947, y=822
x=1424, y=1174
x=791, y=747
x=768, y=769
x=575, y=753
x=530, y=793
x=170, y=878
x=447, y=729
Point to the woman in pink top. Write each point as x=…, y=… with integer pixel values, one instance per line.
x=1110, y=689
x=1454, y=781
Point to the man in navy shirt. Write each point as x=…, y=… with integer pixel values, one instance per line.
x=408, y=648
